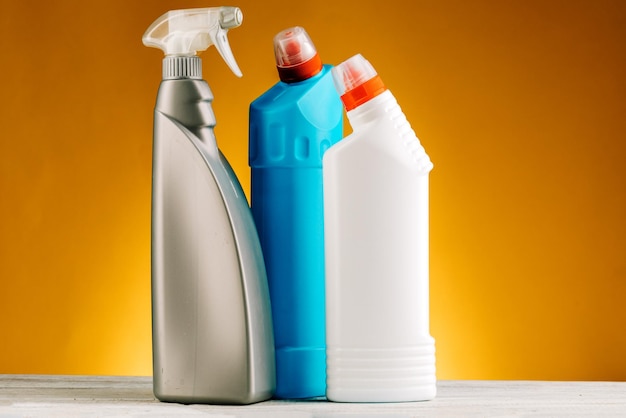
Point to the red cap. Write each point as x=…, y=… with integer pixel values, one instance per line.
x=296, y=56
x=357, y=81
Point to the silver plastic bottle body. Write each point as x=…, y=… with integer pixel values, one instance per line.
x=212, y=331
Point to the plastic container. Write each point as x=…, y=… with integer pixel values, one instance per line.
x=211, y=321
x=291, y=126
x=379, y=348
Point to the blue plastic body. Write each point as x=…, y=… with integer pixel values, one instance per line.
x=291, y=126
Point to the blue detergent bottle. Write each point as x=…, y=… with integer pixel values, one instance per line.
x=291, y=126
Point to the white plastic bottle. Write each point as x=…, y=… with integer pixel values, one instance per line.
x=379, y=347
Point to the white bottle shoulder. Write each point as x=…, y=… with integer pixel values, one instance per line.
x=381, y=133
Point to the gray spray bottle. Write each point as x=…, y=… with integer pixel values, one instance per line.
x=211, y=326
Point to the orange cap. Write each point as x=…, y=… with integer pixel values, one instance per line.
x=357, y=81
x=296, y=56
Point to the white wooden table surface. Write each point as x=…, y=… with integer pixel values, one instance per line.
x=104, y=396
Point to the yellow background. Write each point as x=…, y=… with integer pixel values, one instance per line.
x=520, y=105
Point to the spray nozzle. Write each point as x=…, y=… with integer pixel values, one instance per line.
x=186, y=32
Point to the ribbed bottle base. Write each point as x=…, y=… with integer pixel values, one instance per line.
x=381, y=375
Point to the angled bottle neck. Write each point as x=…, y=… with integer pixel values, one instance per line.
x=373, y=109
x=188, y=102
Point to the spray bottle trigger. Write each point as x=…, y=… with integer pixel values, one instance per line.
x=220, y=40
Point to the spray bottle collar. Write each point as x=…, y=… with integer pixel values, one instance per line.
x=182, y=66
